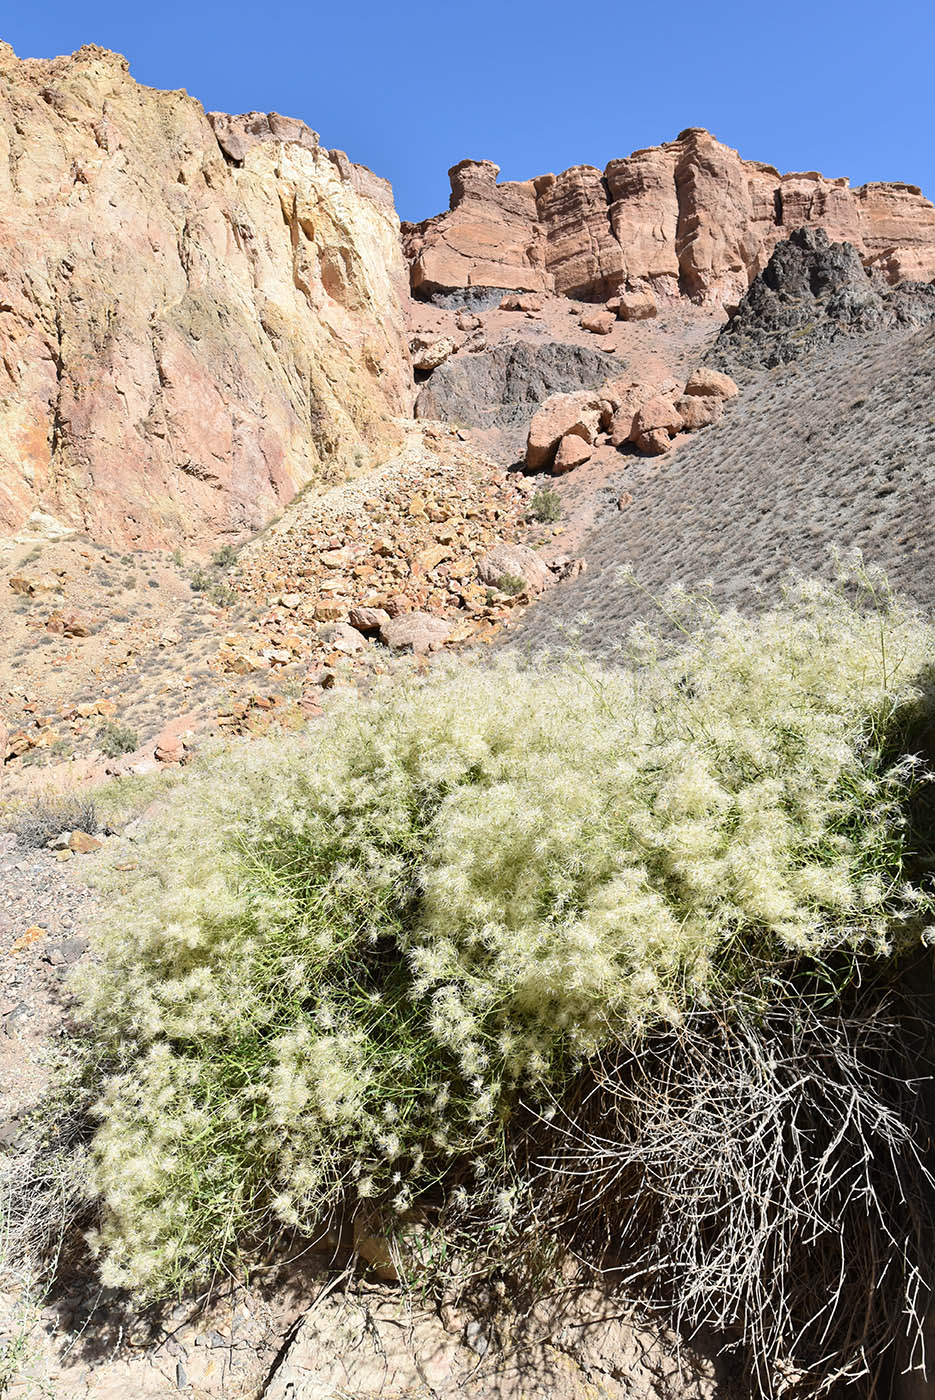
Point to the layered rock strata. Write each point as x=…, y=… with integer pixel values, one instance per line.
x=198, y=315
x=687, y=218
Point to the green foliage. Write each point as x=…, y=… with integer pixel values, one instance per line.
x=546, y=506
x=225, y=557
x=114, y=739
x=511, y=584
x=219, y=592
x=344, y=958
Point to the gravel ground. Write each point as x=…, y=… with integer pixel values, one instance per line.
x=45, y=909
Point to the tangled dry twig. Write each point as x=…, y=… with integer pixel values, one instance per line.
x=763, y=1176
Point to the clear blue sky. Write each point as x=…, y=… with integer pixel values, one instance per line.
x=841, y=86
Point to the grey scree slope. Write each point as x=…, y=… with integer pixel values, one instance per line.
x=837, y=448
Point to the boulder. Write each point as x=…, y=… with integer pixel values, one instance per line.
x=653, y=442
x=345, y=638
x=657, y=414
x=711, y=383
x=514, y=561
x=368, y=619
x=77, y=625
x=636, y=306
x=417, y=632
x=597, y=322
x=397, y=605
x=566, y=566
x=82, y=843
x=560, y=415
x=698, y=411
x=329, y=610
x=429, y=354
x=572, y=452
x=519, y=302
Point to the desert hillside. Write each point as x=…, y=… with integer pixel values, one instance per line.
x=467, y=854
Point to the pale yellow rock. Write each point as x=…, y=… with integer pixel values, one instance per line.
x=187, y=341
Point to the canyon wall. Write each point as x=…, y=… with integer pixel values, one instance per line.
x=199, y=314
x=688, y=218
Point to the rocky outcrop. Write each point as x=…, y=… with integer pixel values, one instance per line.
x=811, y=293
x=688, y=218
x=198, y=315
x=501, y=388
x=488, y=243
x=647, y=414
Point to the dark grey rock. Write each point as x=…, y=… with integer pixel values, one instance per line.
x=811, y=293
x=502, y=387
x=466, y=298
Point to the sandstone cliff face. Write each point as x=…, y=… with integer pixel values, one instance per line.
x=688, y=218
x=197, y=316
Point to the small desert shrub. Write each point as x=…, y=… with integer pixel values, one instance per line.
x=345, y=960
x=114, y=739
x=39, y=821
x=758, y=1172
x=225, y=557
x=511, y=584
x=546, y=506
x=219, y=592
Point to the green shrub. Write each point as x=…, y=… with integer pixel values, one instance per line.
x=225, y=557
x=546, y=506
x=219, y=592
x=114, y=739
x=343, y=959
x=511, y=584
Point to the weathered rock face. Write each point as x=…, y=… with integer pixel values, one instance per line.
x=582, y=255
x=489, y=241
x=197, y=315
x=687, y=218
x=811, y=293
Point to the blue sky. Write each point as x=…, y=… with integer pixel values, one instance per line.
x=841, y=86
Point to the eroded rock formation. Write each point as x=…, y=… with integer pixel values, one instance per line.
x=813, y=292
x=197, y=315
x=686, y=218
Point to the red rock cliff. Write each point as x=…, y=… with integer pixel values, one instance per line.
x=687, y=218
